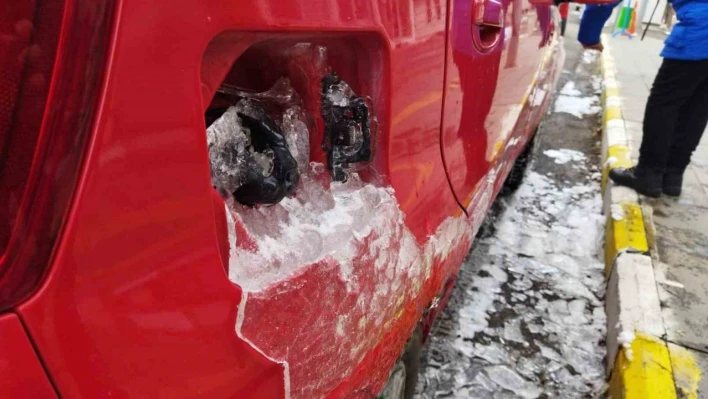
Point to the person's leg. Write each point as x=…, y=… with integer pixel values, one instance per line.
x=692, y=122
x=674, y=85
x=591, y=24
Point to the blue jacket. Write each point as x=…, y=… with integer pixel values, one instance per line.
x=688, y=39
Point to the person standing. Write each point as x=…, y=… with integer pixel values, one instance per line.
x=676, y=114
x=591, y=24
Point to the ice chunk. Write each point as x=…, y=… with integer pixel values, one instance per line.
x=512, y=331
x=585, y=363
x=507, y=379
x=496, y=272
x=339, y=94
x=483, y=381
x=297, y=136
x=282, y=103
x=493, y=353
x=558, y=311
x=263, y=160
x=550, y=353
x=270, y=171
x=577, y=312
x=229, y=154
x=564, y=155
x=281, y=93
x=253, y=157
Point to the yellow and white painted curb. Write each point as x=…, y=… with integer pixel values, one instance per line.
x=640, y=364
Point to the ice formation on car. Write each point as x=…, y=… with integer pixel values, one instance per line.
x=340, y=257
x=327, y=272
x=259, y=146
x=228, y=151
x=346, y=253
x=249, y=155
x=349, y=126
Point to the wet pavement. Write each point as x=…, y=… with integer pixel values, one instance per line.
x=526, y=318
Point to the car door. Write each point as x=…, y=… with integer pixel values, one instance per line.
x=494, y=50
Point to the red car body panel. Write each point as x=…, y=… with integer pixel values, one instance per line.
x=137, y=302
x=21, y=373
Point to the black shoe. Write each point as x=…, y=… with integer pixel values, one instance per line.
x=644, y=183
x=673, y=180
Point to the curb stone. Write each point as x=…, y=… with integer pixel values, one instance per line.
x=640, y=363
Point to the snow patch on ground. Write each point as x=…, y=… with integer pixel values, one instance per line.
x=590, y=56
x=529, y=320
x=563, y=156
x=570, y=101
x=577, y=106
x=597, y=84
x=570, y=90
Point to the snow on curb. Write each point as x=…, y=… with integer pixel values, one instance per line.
x=632, y=305
x=637, y=356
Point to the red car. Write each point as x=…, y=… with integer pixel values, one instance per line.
x=249, y=198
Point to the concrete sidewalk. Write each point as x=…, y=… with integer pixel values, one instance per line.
x=681, y=226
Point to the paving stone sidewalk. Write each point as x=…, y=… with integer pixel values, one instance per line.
x=681, y=253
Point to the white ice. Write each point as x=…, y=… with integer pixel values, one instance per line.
x=617, y=211
x=315, y=223
x=570, y=90
x=532, y=320
x=625, y=338
x=228, y=144
x=590, y=56
x=340, y=222
x=230, y=150
x=577, y=106
x=507, y=379
x=564, y=155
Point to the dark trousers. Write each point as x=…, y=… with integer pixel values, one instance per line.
x=675, y=117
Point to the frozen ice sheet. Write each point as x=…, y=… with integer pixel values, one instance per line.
x=531, y=320
x=330, y=235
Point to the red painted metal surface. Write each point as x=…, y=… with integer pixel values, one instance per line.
x=21, y=373
x=487, y=92
x=137, y=297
